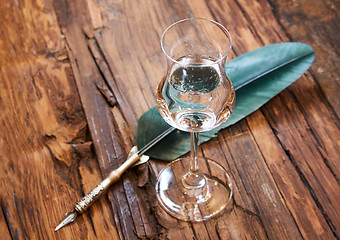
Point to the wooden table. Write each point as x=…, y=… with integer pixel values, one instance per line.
x=75, y=76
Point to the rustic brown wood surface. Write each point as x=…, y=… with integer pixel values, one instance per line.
x=75, y=76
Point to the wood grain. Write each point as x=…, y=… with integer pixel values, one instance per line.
x=44, y=134
x=75, y=76
x=314, y=22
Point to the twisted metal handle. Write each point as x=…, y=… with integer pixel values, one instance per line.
x=101, y=188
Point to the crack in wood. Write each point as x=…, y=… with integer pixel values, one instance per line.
x=108, y=76
x=108, y=87
x=63, y=170
x=319, y=147
x=194, y=232
x=251, y=213
x=92, y=224
x=8, y=224
x=245, y=210
x=103, y=66
x=252, y=200
x=60, y=56
x=148, y=193
x=107, y=93
x=324, y=156
x=276, y=185
x=113, y=202
x=21, y=221
x=311, y=191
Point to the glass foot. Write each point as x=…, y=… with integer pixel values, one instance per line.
x=195, y=203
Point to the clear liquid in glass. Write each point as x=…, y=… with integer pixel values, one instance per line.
x=196, y=95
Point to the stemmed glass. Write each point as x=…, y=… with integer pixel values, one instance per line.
x=195, y=96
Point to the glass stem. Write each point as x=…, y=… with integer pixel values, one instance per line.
x=194, y=145
x=193, y=179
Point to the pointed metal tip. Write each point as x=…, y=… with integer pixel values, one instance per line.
x=58, y=227
x=68, y=218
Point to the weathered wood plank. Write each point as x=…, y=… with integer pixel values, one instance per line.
x=110, y=149
x=325, y=133
x=126, y=76
x=315, y=22
x=248, y=31
x=255, y=191
x=303, y=152
x=43, y=129
x=283, y=159
x=120, y=58
x=301, y=204
x=327, y=139
x=5, y=232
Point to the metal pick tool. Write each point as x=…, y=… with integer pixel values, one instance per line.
x=135, y=158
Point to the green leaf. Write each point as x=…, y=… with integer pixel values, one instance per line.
x=257, y=77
